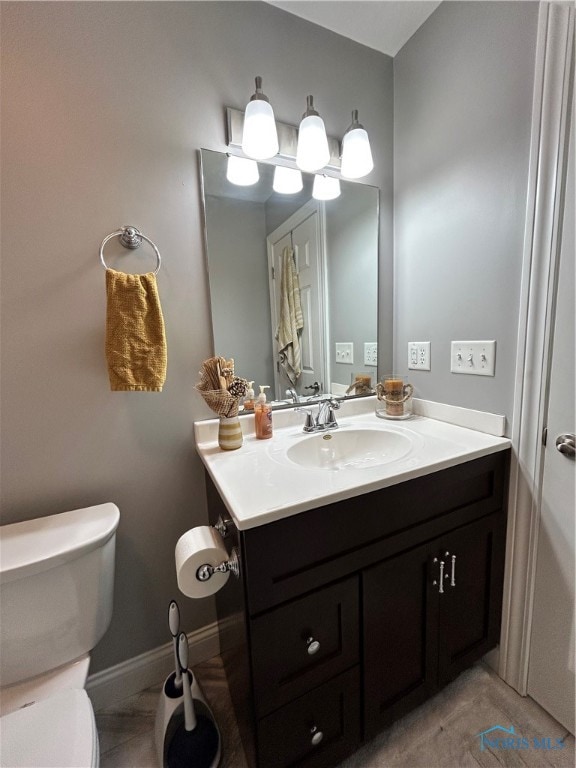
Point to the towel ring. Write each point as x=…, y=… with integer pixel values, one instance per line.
x=131, y=238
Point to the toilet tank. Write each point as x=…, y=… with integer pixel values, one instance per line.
x=56, y=589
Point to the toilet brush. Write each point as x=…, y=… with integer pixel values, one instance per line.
x=174, y=624
x=171, y=700
x=190, y=722
x=196, y=741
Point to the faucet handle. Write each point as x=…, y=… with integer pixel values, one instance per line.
x=331, y=420
x=333, y=405
x=309, y=423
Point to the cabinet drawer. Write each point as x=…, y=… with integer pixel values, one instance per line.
x=318, y=729
x=298, y=554
x=302, y=644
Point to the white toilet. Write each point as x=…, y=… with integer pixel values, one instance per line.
x=56, y=588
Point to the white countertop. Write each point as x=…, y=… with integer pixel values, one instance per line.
x=259, y=485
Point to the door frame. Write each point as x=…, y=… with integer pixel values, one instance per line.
x=553, y=85
x=295, y=219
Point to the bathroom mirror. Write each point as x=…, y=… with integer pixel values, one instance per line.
x=250, y=232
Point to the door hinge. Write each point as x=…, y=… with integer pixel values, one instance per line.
x=273, y=273
x=544, y=436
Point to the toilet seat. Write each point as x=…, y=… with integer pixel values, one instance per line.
x=58, y=732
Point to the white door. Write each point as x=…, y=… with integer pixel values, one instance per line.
x=551, y=678
x=303, y=233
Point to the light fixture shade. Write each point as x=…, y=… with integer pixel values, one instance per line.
x=356, y=153
x=242, y=171
x=287, y=181
x=259, y=135
x=325, y=188
x=312, y=152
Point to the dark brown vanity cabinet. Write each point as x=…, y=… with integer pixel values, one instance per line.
x=428, y=614
x=347, y=616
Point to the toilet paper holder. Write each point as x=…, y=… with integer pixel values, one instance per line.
x=206, y=571
x=222, y=526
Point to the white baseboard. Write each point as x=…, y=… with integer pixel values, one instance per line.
x=129, y=677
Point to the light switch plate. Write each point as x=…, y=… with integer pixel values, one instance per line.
x=345, y=352
x=476, y=358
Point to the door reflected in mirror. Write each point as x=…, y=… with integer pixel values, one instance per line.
x=292, y=279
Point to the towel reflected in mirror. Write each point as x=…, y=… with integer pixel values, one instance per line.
x=291, y=320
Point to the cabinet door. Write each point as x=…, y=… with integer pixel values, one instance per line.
x=400, y=635
x=471, y=603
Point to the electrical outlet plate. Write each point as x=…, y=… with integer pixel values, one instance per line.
x=371, y=353
x=476, y=358
x=419, y=355
x=345, y=352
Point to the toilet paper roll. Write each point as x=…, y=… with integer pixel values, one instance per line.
x=199, y=546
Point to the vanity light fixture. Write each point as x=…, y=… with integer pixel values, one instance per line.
x=312, y=152
x=260, y=137
x=356, y=153
x=287, y=181
x=242, y=171
x=325, y=187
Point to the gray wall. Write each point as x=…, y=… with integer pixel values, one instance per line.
x=462, y=109
x=352, y=241
x=239, y=292
x=104, y=108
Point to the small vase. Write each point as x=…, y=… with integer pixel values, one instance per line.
x=229, y=433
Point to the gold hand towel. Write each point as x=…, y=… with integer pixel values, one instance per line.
x=135, y=339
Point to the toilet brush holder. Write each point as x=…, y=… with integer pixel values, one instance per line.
x=185, y=732
x=189, y=735
x=170, y=713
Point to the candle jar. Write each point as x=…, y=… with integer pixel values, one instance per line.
x=394, y=395
x=361, y=384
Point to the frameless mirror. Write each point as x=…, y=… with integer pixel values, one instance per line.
x=270, y=255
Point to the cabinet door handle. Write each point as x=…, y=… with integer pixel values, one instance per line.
x=441, y=587
x=313, y=646
x=453, y=574
x=317, y=736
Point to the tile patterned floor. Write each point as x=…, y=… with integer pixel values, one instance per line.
x=442, y=733
x=126, y=730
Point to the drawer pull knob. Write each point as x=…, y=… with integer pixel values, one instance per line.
x=317, y=736
x=313, y=646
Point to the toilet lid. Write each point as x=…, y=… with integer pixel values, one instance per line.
x=58, y=732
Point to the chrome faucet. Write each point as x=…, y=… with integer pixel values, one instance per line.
x=325, y=418
x=293, y=395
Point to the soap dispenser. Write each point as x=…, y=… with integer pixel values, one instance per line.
x=263, y=415
x=249, y=398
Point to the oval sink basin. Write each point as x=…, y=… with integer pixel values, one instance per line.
x=350, y=449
